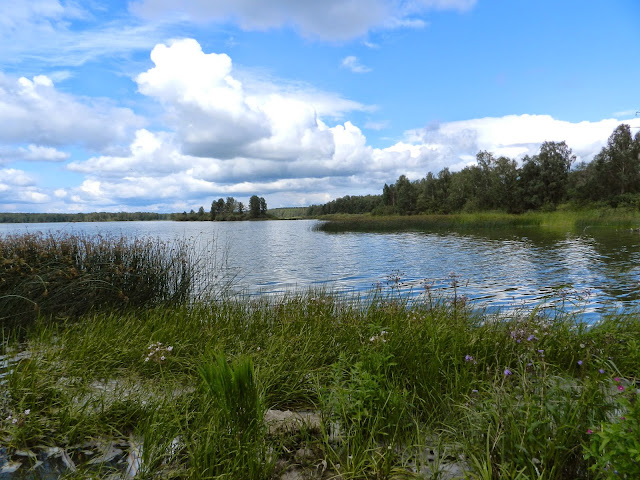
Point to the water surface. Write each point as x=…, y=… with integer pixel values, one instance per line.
x=590, y=271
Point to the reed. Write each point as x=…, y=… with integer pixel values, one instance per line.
x=484, y=221
x=67, y=275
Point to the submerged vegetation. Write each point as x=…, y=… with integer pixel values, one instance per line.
x=373, y=387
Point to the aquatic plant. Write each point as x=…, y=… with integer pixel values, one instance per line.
x=66, y=275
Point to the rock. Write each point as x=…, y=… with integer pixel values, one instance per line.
x=107, y=453
x=281, y=422
x=10, y=467
x=293, y=474
x=304, y=455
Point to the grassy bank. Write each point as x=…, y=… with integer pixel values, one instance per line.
x=114, y=359
x=522, y=397
x=566, y=220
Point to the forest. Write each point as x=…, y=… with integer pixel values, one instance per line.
x=538, y=182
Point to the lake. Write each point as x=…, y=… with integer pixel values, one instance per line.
x=591, y=272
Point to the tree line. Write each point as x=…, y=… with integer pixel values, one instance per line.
x=81, y=217
x=227, y=210
x=539, y=182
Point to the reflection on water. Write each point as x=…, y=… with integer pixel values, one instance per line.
x=593, y=270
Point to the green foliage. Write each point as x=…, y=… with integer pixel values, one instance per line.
x=533, y=420
x=385, y=375
x=367, y=412
x=614, y=446
x=231, y=443
x=348, y=204
x=234, y=393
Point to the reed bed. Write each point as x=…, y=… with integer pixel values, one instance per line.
x=528, y=395
x=66, y=275
x=563, y=220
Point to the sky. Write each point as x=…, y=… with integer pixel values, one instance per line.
x=167, y=105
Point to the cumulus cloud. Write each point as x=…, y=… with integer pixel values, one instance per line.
x=32, y=153
x=352, y=63
x=329, y=20
x=215, y=116
x=33, y=111
x=207, y=106
x=150, y=154
x=292, y=153
x=514, y=135
x=18, y=187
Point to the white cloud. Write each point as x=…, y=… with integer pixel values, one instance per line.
x=333, y=20
x=35, y=112
x=330, y=19
x=34, y=153
x=12, y=176
x=150, y=154
x=292, y=154
x=352, y=63
x=18, y=187
x=215, y=116
x=371, y=125
x=514, y=135
x=206, y=105
x=67, y=33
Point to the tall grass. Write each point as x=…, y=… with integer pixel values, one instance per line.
x=514, y=397
x=68, y=275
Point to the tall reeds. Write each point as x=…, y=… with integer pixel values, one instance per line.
x=67, y=275
x=483, y=221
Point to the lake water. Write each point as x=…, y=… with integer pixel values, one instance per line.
x=591, y=272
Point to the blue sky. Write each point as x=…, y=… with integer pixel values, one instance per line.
x=166, y=105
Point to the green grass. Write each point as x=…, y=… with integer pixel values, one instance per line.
x=526, y=395
x=194, y=380
x=561, y=220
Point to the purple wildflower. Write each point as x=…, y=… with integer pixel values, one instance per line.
x=507, y=372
